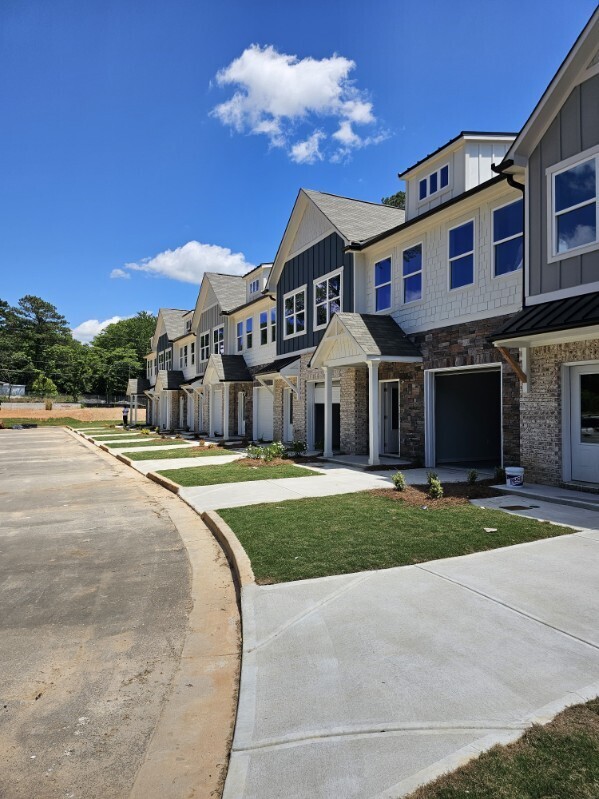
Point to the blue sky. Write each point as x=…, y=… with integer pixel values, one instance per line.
x=152, y=134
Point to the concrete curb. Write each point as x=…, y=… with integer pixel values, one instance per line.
x=163, y=481
x=124, y=459
x=236, y=554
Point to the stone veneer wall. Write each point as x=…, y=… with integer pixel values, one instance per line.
x=467, y=345
x=541, y=408
x=354, y=411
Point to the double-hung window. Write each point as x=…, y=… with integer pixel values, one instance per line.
x=192, y=352
x=218, y=340
x=273, y=324
x=412, y=273
x=249, y=326
x=239, y=336
x=461, y=255
x=575, y=206
x=263, y=328
x=327, y=299
x=204, y=347
x=183, y=357
x=161, y=361
x=168, y=360
x=382, y=285
x=294, y=310
x=508, y=224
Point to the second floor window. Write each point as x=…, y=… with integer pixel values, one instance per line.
x=461, y=255
x=204, y=347
x=294, y=305
x=239, y=336
x=168, y=360
x=382, y=285
x=263, y=328
x=183, y=357
x=507, y=238
x=273, y=324
x=192, y=352
x=575, y=206
x=412, y=273
x=161, y=360
x=249, y=326
x=327, y=299
x=218, y=340
x=254, y=286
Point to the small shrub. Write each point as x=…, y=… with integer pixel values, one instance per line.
x=435, y=489
x=499, y=474
x=277, y=450
x=399, y=481
x=146, y=431
x=255, y=452
x=472, y=477
x=430, y=476
x=299, y=447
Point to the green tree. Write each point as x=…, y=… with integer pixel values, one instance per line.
x=38, y=325
x=128, y=333
x=398, y=200
x=113, y=368
x=44, y=386
x=71, y=368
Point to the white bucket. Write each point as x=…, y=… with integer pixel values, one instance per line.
x=514, y=476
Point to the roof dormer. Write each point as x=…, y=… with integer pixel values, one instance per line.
x=456, y=167
x=256, y=281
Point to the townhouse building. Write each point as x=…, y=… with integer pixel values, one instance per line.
x=556, y=159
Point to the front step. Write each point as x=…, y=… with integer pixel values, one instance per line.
x=553, y=494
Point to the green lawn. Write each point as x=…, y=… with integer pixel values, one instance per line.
x=557, y=761
x=186, y=452
x=147, y=442
x=234, y=473
x=114, y=434
x=298, y=539
x=59, y=421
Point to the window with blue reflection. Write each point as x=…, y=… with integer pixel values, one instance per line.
x=576, y=185
x=422, y=189
x=412, y=273
x=382, y=284
x=461, y=255
x=433, y=183
x=444, y=176
x=508, y=238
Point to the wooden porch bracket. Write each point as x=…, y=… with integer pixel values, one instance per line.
x=522, y=377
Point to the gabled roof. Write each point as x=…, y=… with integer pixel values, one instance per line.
x=170, y=380
x=174, y=322
x=551, y=317
x=356, y=220
x=230, y=290
x=137, y=385
x=572, y=69
x=245, y=305
x=230, y=368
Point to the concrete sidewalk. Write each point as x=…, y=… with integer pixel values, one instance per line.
x=160, y=464
x=364, y=686
x=336, y=480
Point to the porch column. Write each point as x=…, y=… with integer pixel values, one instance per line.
x=226, y=391
x=210, y=407
x=254, y=413
x=373, y=412
x=328, y=412
x=134, y=418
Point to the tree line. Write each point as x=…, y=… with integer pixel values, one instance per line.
x=37, y=349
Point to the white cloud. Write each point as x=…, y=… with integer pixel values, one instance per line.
x=308, y=151
x=120, y=273
x=189, y=262
x=275, y=93
x=88, y=330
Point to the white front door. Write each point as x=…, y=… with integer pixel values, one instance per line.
x=390, y=417
x=287, y=414
x=217, y=412
x=584, y=422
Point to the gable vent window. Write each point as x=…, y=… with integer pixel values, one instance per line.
x=254, y=286
x=508, y=238
x=437, y=180
x=575, y=206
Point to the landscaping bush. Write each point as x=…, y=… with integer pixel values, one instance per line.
x=399, y=481
x=430, y=476
x=299, y=447
x=472, y=477
x=499, y=474
x=254, y=451
x=275, y=450
x=435, y=489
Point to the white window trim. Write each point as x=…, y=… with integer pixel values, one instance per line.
x=462, y=255
x=217, y=327
x=254, y=286
x=411, y=303
x=183, y=357
x=266, y=327
x=238, y=338
x=551, y=173
x=192, y=352
x=321, y=279
x=390, y=283
x=248, y=332
x=167, y=361
x=292, y=293
x=439, y=188
x=272, y=325
x=494, y=243
x=206, y=349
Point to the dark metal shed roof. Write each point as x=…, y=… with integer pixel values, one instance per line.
x=547, y=317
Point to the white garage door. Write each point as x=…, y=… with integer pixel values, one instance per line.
x=265, y=413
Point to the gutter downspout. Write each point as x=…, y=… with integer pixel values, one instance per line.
x=499, y=170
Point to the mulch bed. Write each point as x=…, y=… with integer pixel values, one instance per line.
x=454, y=494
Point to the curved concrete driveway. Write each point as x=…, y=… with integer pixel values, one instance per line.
x=95, y=595
x=367, y=685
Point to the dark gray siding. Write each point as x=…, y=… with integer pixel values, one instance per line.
x=325, y=256
x=211, y=318
x=575, y=129
x=163, y=343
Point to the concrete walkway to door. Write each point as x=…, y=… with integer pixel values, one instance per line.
x=366, y=685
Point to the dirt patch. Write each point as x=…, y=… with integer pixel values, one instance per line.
x=454, y=494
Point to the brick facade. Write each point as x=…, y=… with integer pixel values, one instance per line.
x=541, y=408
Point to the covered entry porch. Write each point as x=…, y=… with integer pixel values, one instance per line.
x=227, y=383
x=372, y=354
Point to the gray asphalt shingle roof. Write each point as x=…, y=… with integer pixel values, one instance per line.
x=230, y=290
x=137, y=385
x=231, y=368
x=356, y=220
x=379, y=335
x=174, y=322
x=171, y=380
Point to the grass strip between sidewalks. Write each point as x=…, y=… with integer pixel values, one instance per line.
x=186, y=452
x=318, y=537
x=235, y=472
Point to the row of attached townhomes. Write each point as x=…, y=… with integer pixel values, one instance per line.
x=463, y=330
